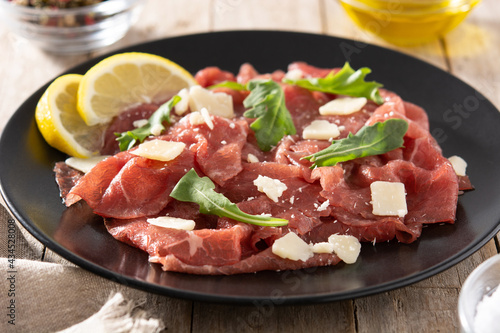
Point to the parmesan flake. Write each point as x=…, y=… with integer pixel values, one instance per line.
x=292, y=247
x=156, y=129
x=323, y=206
x=321, y=130
x=342, y=106
x=182, y=106
x=84, y=164
x=458, y=164
x=216, y=103
x=172, y=222
x=346, y=247
x=207, y=118
x=273, y=188
x=323, y=247
x=160, y=150
x=388, y=198
x=251, y=158
x=139, y=123
x=294, y=74
x=195, y=118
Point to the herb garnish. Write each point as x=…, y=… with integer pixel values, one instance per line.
x=200, y=190
x=347, y=81
x=267, y=103
x=129, y=138
x=376, y=139
x=230, y=85
x=267, y=100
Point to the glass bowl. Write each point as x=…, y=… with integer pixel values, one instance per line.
x=408, y=22
x=72, y=30
x=484, y=280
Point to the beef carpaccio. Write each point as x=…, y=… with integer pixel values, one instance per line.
x=127, y=190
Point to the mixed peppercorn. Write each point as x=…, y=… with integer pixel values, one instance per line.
x=56, y=3
x=66, y=20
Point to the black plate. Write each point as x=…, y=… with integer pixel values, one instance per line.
x=462, y=120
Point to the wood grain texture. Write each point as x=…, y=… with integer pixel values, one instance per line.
x=474, y=50
x=161, y=19
x=471, y=52
x=303, y=15
x=267, y=317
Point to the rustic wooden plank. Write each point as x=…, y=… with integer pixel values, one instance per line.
x=431, y=304
x=258, y=14
x=427, y=306
x=51, y=297
x=474, y=50
x=176, y=314
x=161, y=19
x=24, y=69
x=267, y=317
x=30, y=68
x=434, y=298
x=240, y=15
x=408, y=310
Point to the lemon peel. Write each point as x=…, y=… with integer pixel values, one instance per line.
x=60, y=123
x=125, y=80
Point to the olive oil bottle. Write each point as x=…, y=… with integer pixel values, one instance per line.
x=408, y=22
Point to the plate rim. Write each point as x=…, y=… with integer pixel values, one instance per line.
x=208, y=297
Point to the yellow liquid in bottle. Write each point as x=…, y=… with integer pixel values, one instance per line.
x=405, y=22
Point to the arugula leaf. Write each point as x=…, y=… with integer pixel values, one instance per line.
x=192, y=188
x=369, y=140
x=129, y=138
x=229, y=84
x=267, y=103
x=344, y=82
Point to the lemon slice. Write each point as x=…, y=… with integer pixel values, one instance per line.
x=60, y=123
x=127, y=79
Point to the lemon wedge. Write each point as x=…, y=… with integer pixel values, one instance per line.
x=60, y=123
x=125, y=80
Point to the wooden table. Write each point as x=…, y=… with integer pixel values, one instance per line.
x=471, y=52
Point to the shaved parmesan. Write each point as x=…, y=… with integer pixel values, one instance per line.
x=159, y=150
x=459, y=165
x=182, y=106
x=195, y=118
x=294, y=74
x=84, y=164
x=346, y=247
x=321, y=130
x=156, y=129
x=251, y=158
x=219, y=104
x=388, y=198
x=273, y=188
x=323, y=206
x=292, y=247
x=140, y=123
x=342, y=106
x=206, y=117
x=172, y=222
x=323, y=247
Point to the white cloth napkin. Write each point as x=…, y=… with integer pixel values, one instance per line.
x=118, y=315
x=41, y=296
